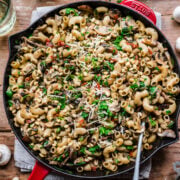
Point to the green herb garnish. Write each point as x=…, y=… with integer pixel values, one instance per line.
x=10, y=103
x=171, y=124
x=82, y=150
x=168, y=112
x=31, y=146
x=141, y=84
x=129, y=147
x=153, y=123
x=119, y=1
x=56, y=92
x=9, y=93
x=81, y=163
x=80, y=77
x=45, y=143
x=126, y=30
x=21, y=86
x=44, y=91
x=81, y=138
x=104, y=131
x=117, y=41
x=156, y=68
x=43, y=63
x=109, y=65
x=58, y=129
x=134, y=86
x=84, y=115
x=70, y=77
x=103, y=105
x=94, y=149
x=71, y=10
x=152, y=90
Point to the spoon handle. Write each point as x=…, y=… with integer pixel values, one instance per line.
x=138, y=156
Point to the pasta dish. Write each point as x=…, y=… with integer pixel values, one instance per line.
x=82, y=84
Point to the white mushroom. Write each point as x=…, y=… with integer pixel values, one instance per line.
x=178, y=44
x=176, y=14
x=15, y=178
x=5, y=154
x=167, y=133
x=102, y=30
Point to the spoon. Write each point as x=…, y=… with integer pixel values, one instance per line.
x=138, y=156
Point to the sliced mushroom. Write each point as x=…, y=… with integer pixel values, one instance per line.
x=85, y=8
x=5, y=154
x=131, y=22
x=106, y=91
x=58, y=20
x=102, y=30
x=167, y=133
x=150, y=42
x=42, y=28
x=28, y=68
x=114, y=106
x=114, y=13
x=168, y=57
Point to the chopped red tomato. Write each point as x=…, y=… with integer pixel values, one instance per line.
x=115, y=119
x=132, y=45
x=61, y=43
x=47, y=40
x=93, y=168
x=114, y=60
x=67, y=46
x=131, y=153
x=81, y=121
x=49, y=44
x=84, y=83
x=27, y=78
x=98, y=86
x=28, y=121
x=116, y=16
x=149, y=50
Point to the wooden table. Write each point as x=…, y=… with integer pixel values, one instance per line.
x=162, y=162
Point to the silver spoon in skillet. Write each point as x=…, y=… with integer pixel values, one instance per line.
x=138, y=156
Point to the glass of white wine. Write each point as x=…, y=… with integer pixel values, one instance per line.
x=7, y=17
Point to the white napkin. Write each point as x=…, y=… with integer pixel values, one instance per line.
x=26, y=162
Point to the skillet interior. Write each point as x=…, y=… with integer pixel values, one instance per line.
x=16, y=38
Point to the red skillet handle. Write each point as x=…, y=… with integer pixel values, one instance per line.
x=141, y=8
x=39, y=172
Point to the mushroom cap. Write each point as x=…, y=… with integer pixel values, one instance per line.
x=102, y=30
x=176, y=14
x=5, y=154
x=167, y=133
x=178, y=44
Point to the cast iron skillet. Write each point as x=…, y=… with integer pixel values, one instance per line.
x=42, y=167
